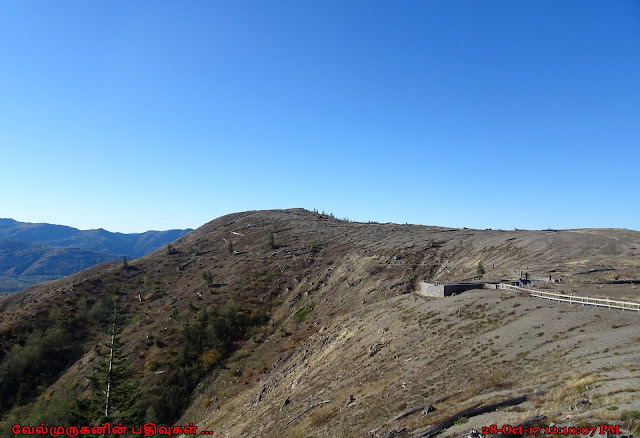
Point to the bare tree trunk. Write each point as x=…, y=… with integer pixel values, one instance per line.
x=113, y=335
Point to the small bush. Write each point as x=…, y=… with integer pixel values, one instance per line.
x=265, y=275
x=207, y=276
x=301, y=314
x=209, y=358
x=206, y=402
x=240, y=354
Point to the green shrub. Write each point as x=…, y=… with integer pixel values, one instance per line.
x=208, y=341
x=480, y=271
x=266, y=275
x=207, y=276
x=28, y=368
x=301, y=314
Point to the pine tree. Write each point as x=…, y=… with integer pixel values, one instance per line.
x=480, y=270
x=113, y=390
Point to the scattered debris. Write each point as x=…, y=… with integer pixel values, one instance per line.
x=374, y=349
x=580, y=404
x=395, y=431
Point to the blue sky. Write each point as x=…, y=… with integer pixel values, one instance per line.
x=161, y=114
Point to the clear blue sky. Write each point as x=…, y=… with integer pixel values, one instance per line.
x=166, y=114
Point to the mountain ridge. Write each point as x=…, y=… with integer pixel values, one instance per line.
x=99, y=240
x=59, y=250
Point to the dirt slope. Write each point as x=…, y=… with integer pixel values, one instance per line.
x=345, y=343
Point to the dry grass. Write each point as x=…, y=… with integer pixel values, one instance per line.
x=631, y=421
x=563, y=396
x=487, y=380
x=321, y=415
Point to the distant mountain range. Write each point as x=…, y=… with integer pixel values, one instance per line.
x=32, y=253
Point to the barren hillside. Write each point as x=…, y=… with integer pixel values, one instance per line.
x=291, y=323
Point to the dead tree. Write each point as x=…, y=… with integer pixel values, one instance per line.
x=113, y=337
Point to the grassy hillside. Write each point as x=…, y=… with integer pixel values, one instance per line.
x=291, y=323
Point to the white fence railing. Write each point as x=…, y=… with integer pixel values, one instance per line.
x=571, y=299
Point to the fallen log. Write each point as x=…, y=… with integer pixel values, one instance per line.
x=472, y=411
x=306, y=410
x=434, y=430
x=184, y=265
x=428, y=408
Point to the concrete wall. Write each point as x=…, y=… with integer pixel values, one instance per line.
x=431, y=289
x=440, y=290
x=450, y=289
